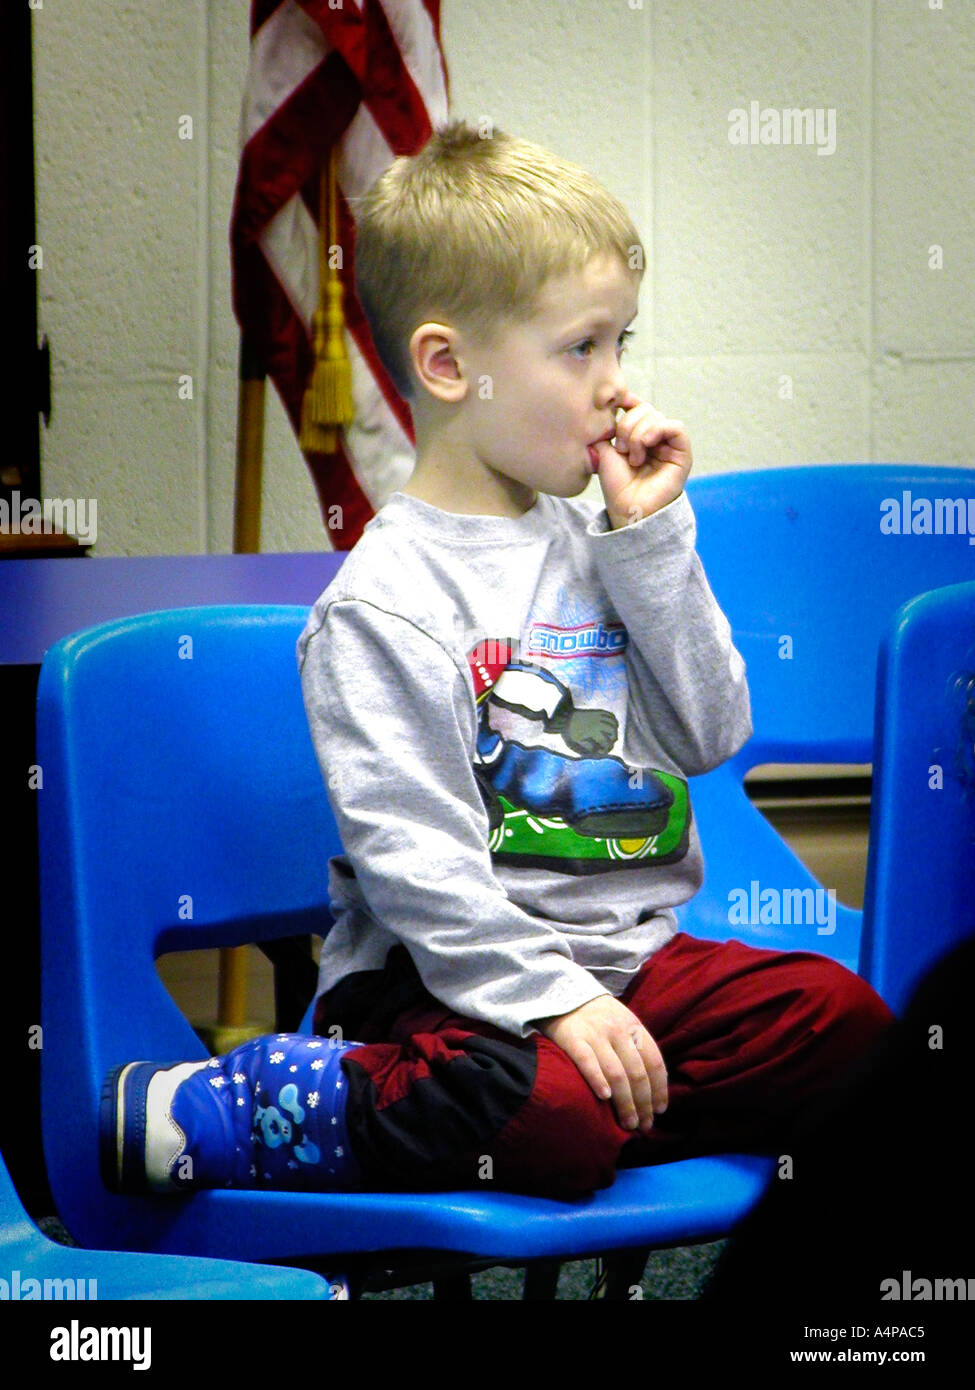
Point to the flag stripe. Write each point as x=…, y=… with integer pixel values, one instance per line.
x=290, y=243
x=337, y=486
x=409, y=22
x=381, y=451
x=287, y=348
x=369, y=48
x=287, y=152
x=359, y=329
x=363, y=155
x=432, y=8
x=285, y=51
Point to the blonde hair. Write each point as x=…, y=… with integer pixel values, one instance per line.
x=468, y=230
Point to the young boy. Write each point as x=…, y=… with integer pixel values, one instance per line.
x=508, y=688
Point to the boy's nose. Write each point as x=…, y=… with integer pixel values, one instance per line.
x=611, y=390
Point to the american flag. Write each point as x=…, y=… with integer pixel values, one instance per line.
x=367, y=78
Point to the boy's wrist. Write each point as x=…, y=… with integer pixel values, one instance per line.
x=618, y=520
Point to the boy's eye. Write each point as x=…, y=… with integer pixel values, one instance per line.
x=585, y=347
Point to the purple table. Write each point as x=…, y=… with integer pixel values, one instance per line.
x=44, y=600
x=41, y=601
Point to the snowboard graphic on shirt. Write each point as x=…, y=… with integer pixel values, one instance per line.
x=568, y=804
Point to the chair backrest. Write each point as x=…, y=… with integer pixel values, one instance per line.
x=920, y=897
x=182, y=806
x=809, y=572
x=805, y=565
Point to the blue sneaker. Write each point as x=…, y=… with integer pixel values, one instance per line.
x=270, y=1114
x=139, y=1141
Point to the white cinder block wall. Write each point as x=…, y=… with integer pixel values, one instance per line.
x=793, y=311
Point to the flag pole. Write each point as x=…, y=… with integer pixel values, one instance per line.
x=232, y=1028
x=250, y=450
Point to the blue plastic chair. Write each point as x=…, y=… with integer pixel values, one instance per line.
x=63, y=1271
x=883, y=1193
x=183, y=807
x=920, y=896
x=799, y=553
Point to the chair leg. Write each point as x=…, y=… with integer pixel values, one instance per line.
x=541, y=1281
x=618, y=1273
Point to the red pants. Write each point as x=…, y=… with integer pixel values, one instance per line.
x=749, y=1037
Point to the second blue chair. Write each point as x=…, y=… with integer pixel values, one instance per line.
x=32, y=1266
x=807, y=567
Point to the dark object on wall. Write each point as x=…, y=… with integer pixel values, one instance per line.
x=26, y=388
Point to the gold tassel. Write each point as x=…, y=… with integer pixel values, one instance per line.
x=327, y=403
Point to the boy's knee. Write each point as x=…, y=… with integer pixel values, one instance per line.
x=845, y=1001
x=841, y=1019
x=563, y=1141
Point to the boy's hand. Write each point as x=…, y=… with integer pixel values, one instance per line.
x=616, y=1055
x=648, y=466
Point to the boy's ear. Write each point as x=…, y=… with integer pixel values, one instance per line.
x=432, y=351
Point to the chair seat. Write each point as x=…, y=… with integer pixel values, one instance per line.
x=685, y=1202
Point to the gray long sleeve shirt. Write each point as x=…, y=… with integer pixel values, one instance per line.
x=505, y=712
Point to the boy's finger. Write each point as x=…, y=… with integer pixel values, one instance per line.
x=634, y=421
x=660, y=432
x=656, y=1070
x=635, y=453
x=641, y=1089
x=614, y=1075
x=626, y=1073
x=630, y=401
x=588, y=1063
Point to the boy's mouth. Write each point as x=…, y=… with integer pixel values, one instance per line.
x=593, y=453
